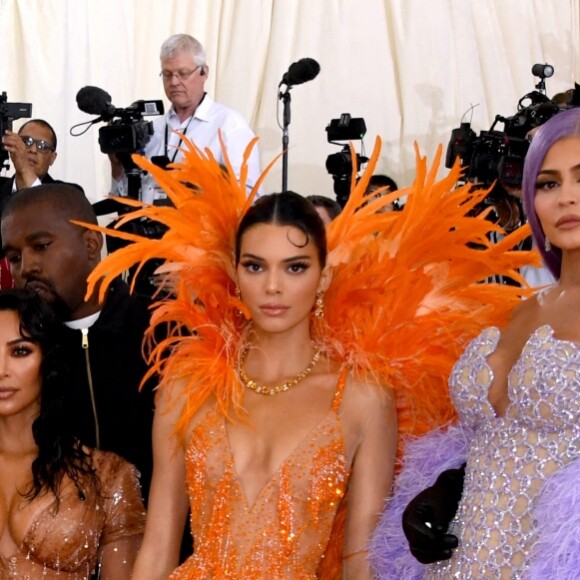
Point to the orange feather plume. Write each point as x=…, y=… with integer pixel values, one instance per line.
x=405, y=297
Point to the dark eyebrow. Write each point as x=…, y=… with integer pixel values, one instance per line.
x=286, y=261
x=19, y=341
x=297, y=258
x=31, y=238
x=37, y=235
x=555, y=171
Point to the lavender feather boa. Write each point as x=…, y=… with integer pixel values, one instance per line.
x=424, y=459
x=555, y=555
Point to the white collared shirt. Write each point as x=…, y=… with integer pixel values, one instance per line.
x=202, y=129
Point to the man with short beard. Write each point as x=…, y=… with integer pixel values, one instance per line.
x=54, y=257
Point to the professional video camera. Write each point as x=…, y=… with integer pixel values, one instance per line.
x=126, y=133
x=340, y=165
x=498, y=156
x=10, y=112
x=130, y=132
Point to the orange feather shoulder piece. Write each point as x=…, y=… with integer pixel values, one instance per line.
x=406, y=295
x=409, y=290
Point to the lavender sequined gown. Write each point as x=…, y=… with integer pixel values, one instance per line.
x=510, y=457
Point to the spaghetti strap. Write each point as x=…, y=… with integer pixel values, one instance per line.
x=337, y=399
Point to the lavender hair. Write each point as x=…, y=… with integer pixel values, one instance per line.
x=565, y=124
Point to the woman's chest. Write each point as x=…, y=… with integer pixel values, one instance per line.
x=541, y=388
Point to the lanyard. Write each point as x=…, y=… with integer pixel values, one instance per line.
x=184, y=132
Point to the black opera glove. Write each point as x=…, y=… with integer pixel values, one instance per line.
x=427, y=517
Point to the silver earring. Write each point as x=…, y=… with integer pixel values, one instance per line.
x=547, y=244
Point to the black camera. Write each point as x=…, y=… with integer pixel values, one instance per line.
x=10, y=112
x=126, y=133
x=497, y=156
x=130, y=132
x=340, y=165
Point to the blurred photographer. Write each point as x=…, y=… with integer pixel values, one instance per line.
x=381, y=184
x=32, y=152
x=195, y=114
x=327, y=208
x=494, y=159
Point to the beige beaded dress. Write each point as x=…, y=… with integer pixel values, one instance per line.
x=64, y=542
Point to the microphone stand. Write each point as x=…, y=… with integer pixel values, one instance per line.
x=286, y=98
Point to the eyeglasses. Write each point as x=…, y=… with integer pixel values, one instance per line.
x=182, y=75
x=42, y=146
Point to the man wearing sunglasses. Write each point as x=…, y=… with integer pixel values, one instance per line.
x=193, y=112
x=32, y=152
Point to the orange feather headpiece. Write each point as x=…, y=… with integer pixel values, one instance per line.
x=406, y=292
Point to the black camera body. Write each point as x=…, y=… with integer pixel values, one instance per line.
x=498, y=156
x=122, y=137
x=340, y=164
x=10, y=112
x=130, y=132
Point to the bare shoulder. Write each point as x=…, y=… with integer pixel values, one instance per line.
x=364, y=399
x=525, y=309
x=366, y=391
x=368, y=414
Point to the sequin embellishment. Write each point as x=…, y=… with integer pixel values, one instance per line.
x=510, y=457
x=284, y=533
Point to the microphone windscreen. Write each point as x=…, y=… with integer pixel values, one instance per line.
x=93, y=100
x=544, y=71
x=301, y=71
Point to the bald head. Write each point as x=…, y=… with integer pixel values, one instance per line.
x=66, y=200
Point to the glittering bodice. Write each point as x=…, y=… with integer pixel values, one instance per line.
x=286, y=530
x=510, y=457
x=65, y=544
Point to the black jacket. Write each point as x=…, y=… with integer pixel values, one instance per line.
x=8, y=182
x=116, y=367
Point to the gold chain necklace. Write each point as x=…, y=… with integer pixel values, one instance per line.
x=263, y=390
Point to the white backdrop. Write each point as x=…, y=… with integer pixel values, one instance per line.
x=411, y=68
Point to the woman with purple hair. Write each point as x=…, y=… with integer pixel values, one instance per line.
x=517, y=393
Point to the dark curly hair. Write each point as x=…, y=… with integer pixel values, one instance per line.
x=59, y=453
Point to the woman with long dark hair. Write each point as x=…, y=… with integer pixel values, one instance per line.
x=66, y=511
x=266, y=485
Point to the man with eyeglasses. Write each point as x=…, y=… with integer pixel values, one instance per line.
x=193, y=112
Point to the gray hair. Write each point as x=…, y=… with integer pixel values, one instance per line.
x=183, y=43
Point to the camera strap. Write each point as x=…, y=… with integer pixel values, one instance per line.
x=184, y=132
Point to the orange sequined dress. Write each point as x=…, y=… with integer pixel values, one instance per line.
x=285, y=532
x=65, y=544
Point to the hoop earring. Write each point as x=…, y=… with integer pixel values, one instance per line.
x=547, y=244
x=319, y=305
